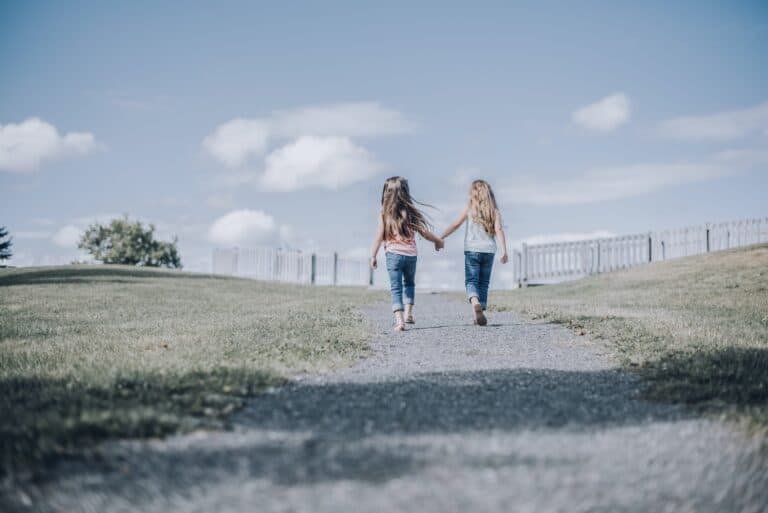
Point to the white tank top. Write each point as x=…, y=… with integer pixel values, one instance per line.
x=476, y=238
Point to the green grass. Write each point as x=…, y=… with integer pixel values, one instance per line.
x=696, y=329
x=95, y=352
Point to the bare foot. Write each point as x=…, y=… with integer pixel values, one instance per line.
x=409, y=314
x=479, y=315
x=399, y=324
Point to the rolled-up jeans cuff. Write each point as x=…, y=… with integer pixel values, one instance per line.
x=398, y=307
x=470, y=295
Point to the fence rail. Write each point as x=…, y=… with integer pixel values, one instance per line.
x=291, y=266
x=562, y=260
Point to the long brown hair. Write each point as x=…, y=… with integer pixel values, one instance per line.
x=482, y=205
x=402, y=219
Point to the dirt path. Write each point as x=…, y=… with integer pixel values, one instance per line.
x=445, y=417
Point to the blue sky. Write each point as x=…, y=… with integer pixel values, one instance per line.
x=253, y=124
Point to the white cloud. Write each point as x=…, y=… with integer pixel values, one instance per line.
x=242, y=227
x=622, y=181
x=604, y=115
x=611, y=184
x=67, y=236
x=235, y=141
x=721, y=126
x=25, y=146
x=310, y=161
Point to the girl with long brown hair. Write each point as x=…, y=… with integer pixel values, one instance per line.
x=483, y=229
x=399, y=222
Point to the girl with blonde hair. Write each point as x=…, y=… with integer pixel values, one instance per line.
x=399, y=222
x=483, y=229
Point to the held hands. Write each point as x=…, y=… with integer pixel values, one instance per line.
x=504, y=258
x=439, y=244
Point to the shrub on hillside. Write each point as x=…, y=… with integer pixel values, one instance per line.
x=129, y=243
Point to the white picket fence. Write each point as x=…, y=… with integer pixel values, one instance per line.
x=565, y=260
x=291, y=266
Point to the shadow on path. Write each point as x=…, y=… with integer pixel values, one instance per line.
x=306, y=434
x=330, y=432
x=462, y=325
x=455, y=402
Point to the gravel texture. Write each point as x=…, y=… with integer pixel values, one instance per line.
x=445, y=417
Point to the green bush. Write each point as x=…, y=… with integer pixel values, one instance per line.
x=129, y=243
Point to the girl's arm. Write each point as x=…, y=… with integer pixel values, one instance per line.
x=377, y=242
x=455, y=225
x=501, y=238
x=431, y=237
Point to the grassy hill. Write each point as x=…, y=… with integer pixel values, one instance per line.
x=695, y=328
x=92, y=352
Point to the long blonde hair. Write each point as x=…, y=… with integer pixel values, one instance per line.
x=482, y=205
x=398, y=209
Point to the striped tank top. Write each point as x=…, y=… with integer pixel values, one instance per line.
x=405, y=247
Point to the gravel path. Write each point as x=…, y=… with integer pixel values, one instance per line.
x=445, y=417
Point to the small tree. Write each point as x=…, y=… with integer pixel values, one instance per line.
x=129, y=243
x=5, y=244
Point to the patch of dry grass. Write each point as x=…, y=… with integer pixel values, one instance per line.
x=695, y=328
x=92, y=352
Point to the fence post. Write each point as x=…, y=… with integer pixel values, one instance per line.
x=650, y=247
x=335, y=268
x=276, y=266
x=524, y=267
x=313, y=269
x=707, y=237
x=597, y=251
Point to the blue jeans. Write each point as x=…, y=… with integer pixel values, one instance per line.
x=402, y=279
x=477, y=275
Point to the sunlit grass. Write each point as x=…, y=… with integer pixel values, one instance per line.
x=695, y=328
x=92, y=352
